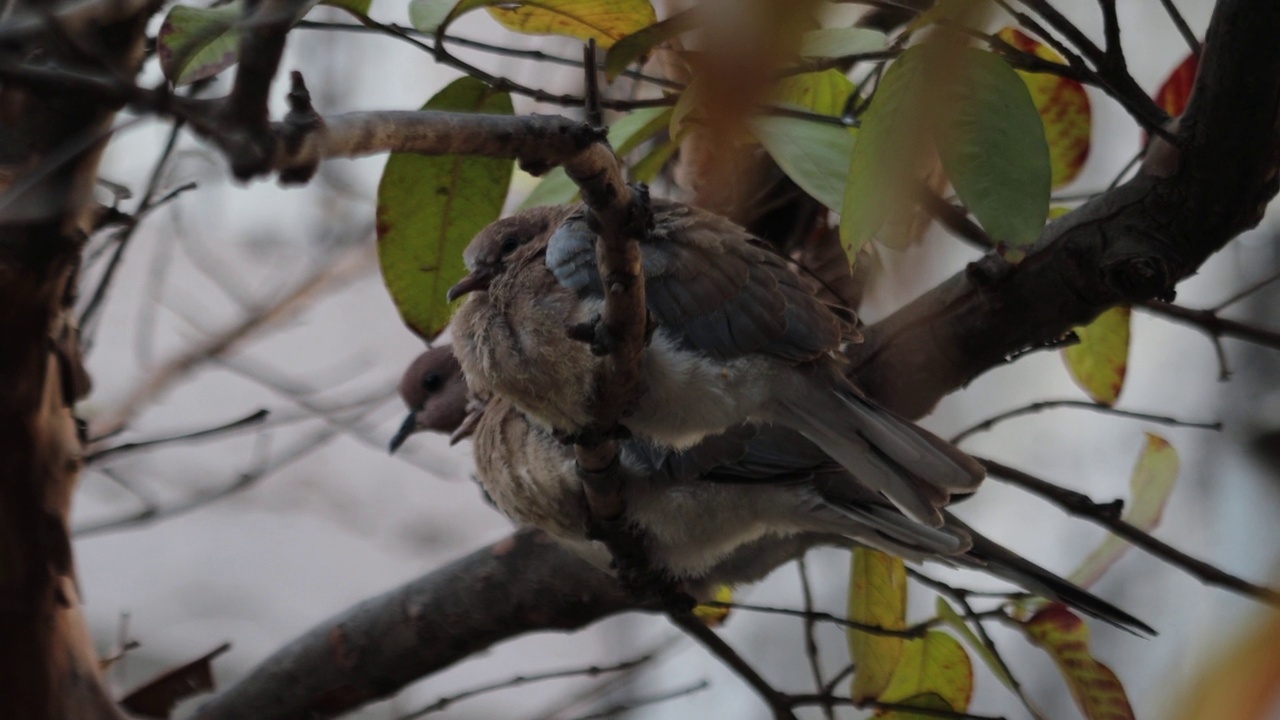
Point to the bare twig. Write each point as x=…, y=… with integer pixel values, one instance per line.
x=1043, y=405
x=1080, y=505
x=342, y=268
x=1246, y=292
x=1214, y=326
x=517, y=681
x=810, y=636
x=250, y=420
x=778, y=702
x=619, y=709
x=883, y=707
x=153, y=511
x=915, y=631
x=122, y=237
x=1183, y=28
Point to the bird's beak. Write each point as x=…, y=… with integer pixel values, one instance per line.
x=478, y=279
x=407, y=428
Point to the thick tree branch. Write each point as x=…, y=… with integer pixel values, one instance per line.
x=50, y=144
x=524, y=583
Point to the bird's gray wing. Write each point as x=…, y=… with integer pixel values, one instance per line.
x=710, y=285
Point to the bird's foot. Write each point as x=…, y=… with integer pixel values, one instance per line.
x=596, y=334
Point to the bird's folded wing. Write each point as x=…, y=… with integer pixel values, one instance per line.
x=711, y=285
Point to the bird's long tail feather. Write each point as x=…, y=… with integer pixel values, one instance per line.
x=914, y=469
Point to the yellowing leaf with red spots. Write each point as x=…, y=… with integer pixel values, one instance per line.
x=1176, y=90
x=1096, y=689
x=1098, y=363
x=1151, y=485
x=935, y=665
x=877, y=596
x=1064, y=108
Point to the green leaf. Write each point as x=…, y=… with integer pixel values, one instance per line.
x=625, y=135
x=629, y=131
x=839, y=42
x=430, y=16
x=814, y=155
x=429, y=208
x=993, y=661
x=935, y=664
x=648, y=167
x=607, y=21
x=1095, y=687
x=1151, y=484
x=992, y=145
x=825, y=93
x=924, y=701
x=877, y=596
x=1100, y=361
x=360, y=8
x=198, y=43
x=888, y=156
x=639, y=43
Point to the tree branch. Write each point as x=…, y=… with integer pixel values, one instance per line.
x=1105, y=515
x=1127, y=245
x=512, y=587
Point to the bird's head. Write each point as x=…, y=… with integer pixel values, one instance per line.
x=435, y=391
x=492, y=251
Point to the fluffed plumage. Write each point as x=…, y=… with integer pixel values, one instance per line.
x=739, y=337
x=728, y=510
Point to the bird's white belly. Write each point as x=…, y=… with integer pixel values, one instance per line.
x=687, y=396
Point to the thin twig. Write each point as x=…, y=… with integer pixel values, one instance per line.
x=1080, y=505
x=250, y=420
x=1251, y=289
x=904, y=709
x=1043, y=405
x=532, y=55
x=915, y=631
x=614, y=711
x=779, y=702
x=1209, y=322
x=517, y=681
x=810, y=636
x=1183, y=28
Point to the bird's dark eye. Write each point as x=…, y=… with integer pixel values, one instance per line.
x=431, y=382
x=509, y=244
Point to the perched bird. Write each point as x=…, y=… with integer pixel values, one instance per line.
x=739, y=337
x=728, y=510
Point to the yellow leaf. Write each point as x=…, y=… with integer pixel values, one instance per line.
x=936, y=664
x=1098, y=363
x=1064, y=109
x=1096, y=689
x=714, y=615
x=823, y=92
x=608, y=21
x=877, y=596
x=1151, y=485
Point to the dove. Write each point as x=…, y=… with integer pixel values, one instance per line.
x=737, y=337
x=726, y=511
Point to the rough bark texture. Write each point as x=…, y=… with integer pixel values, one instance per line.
x=50, y=667
x=1128, y=245
x=522, y=584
